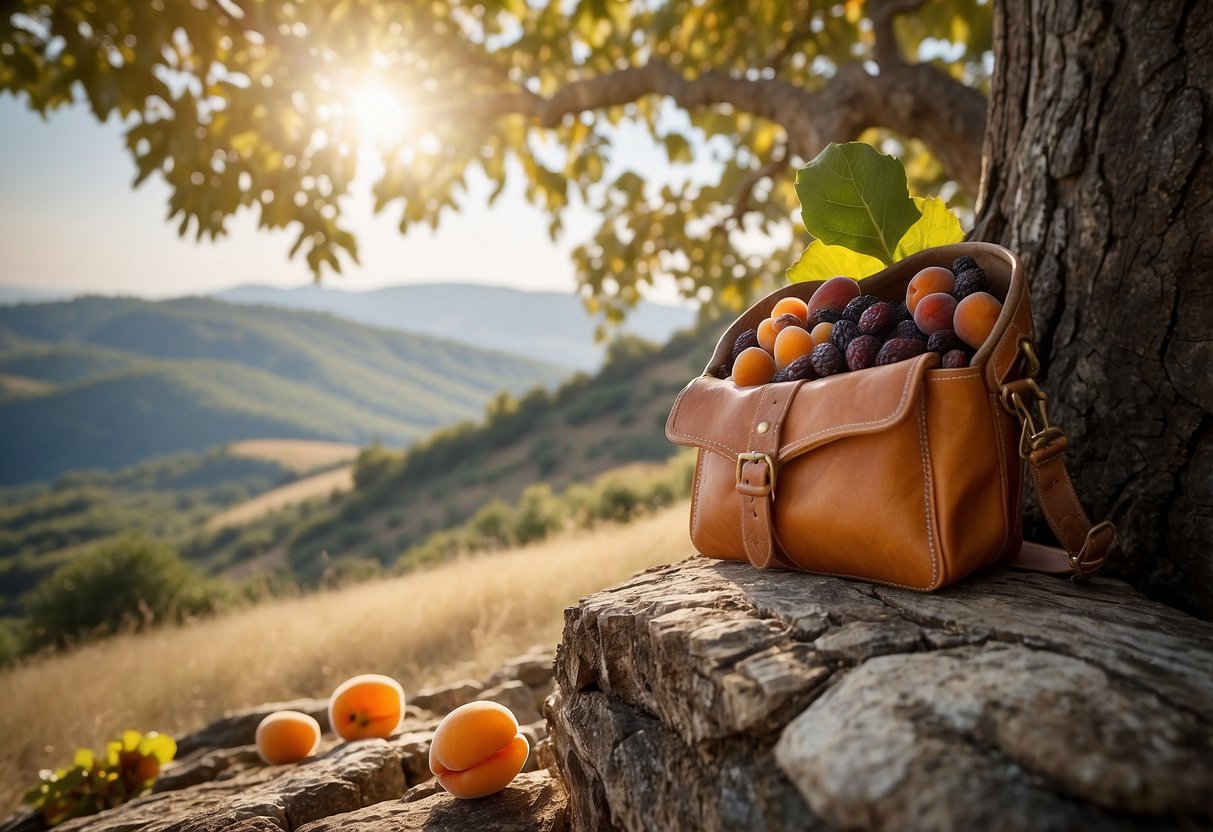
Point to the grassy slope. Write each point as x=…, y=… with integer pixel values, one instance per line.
x=169, y=497
x=590, y=425
x=140, y=379
x=298, y=455
x=457, y=620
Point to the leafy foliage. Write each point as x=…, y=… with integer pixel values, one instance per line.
x=615, y=497
x=854, y=197
x=856, y=202
x=126, y=768
x=130, y=582
x=246, y=107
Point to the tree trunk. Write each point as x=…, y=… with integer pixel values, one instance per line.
x=1099, y=176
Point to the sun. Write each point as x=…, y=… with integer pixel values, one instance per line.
x=380, y=113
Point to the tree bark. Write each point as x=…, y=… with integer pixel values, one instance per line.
x=1099, y=177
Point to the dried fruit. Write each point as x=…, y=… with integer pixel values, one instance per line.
x=975, y=318
x=955, y=359
x=766, y=335
x=858, y=306
x=862, y=352
x=799, y=370
x=844, y=332
x=931, y=280
x=834, y=293
x=899, y=349
x=822, y=332
x=827, y=360
x=792, y=343
x=754, y=366
x=934, y=312
x=944, y=341
x=792, y=306
x=825, y=315
x=744, y=341
x=903, y=312
x=908, y=329
x=784, y=321
x=963, y=263
x=877, y=319
x=969, y=283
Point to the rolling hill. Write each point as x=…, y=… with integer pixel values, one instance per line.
x=546, y=326
x=590, y=425
x=124, y=380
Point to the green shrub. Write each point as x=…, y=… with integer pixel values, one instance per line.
x=130, y=581
x=374, y=464
x=10, y=642
x=492, y=526
x=539, y=514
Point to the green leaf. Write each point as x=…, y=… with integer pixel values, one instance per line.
x=821, y=262
x=854, y=196
x=937, y=227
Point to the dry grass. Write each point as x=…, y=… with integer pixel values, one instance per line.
x=460, y=619
x=298, y=455
x=319, y=485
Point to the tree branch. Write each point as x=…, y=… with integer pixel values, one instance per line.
x=741, y=207
x=886, y=51
x=913, y=99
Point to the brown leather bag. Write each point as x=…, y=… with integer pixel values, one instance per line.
x=905, y=474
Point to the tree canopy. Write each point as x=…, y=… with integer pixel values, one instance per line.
x=250, y=105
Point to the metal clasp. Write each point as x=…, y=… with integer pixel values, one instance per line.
x=1035, y=430
x=1083, y=568
x=755, y=456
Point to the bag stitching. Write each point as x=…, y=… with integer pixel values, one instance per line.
x=792, y=447
x=695, y=492
x=1004, y=481
x=927, y=490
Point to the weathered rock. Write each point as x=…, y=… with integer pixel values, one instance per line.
x=708, y=695
x=517, y=697
x=414, y=751
x=534, y=802
x=535, y=733
x=205, y=766
x=239, y=727
x=446, y=698
x=279, y=798
x=23, y=820
x=534, y=669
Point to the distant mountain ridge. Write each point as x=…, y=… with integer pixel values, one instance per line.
x=122, y=380
x=545, y=326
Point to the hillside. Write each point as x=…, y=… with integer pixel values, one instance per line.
x=588, y=426
x=169, y=498
x=125, y=380
x=305, y=646
x=546, y=326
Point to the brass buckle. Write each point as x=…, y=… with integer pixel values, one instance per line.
x=1035, y=430
x=1079, y=561
x=755, y=456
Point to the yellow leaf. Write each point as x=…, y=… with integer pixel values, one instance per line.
x=937, y=226
x=821, y=262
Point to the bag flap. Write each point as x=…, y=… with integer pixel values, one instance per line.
x=717, y=415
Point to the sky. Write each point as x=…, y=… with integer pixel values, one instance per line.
x=69, y=219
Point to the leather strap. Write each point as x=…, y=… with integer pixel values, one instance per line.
x=1086, y=544
x=756, y=475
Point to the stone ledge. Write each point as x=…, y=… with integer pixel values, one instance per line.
x=709, y=695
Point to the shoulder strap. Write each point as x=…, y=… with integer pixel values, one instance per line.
x=1086, y=545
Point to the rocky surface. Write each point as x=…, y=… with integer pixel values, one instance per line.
x=710, y=696
x=218, y=782
x=707, y=695
x=534, y=802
